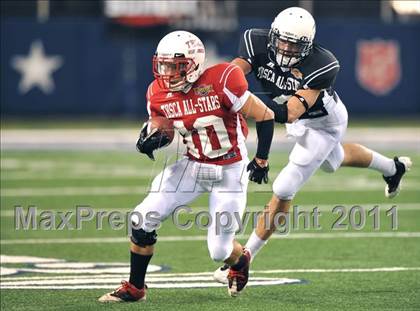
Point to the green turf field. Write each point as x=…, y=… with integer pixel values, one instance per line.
x=355, y=269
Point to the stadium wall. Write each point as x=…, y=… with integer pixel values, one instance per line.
x=101, y=71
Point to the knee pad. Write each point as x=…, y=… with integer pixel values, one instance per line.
x=142, y=238
x=288, y=182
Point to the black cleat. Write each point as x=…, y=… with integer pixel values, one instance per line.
x=393, y=183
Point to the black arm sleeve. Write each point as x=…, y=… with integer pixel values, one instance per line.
x=265, y=131
x=280, y=111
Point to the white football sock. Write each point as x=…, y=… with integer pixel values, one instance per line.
x=254, y=244
x=382, y=164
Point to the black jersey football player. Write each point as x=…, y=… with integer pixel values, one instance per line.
x=298, y=76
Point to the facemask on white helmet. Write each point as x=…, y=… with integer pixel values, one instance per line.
x=291, y=36
x=178, y=61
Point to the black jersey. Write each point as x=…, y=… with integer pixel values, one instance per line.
x=318, y=71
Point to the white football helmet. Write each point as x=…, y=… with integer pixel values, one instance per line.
x=291, y=36
x=179, y=60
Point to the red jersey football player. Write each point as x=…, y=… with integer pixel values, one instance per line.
x=207, y=108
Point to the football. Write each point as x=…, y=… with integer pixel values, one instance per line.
x=164, y=125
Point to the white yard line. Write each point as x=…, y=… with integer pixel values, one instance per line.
x=172, y=284
x=135, y=190
x=25, y=169
x=70, y=191
x=174, y=280
x=179, y=277
x=316, y=235
x=118, y=139
x=195, y=276
x=108, y=174
x=113, y=172
x=351, y=270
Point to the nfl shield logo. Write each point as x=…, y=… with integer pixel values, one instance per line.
x=378, y=67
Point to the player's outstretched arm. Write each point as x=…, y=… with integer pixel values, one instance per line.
x=298, y=104
x=256, y=109
x=264, y=118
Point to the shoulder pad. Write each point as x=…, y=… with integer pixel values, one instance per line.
x=319, y=69
x=252, y=43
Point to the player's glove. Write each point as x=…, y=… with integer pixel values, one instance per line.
x=257, y=173
x=149, y=142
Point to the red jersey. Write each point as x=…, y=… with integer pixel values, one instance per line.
x=207, y=116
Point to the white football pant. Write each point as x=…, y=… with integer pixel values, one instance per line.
x=178, y=185
x=318, y=145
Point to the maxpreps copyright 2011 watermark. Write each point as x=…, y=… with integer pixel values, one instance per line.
x=354, y=217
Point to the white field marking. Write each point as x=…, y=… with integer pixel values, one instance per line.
x=170, y=284
x=78, y=265
x=66, y=277
x=352, y=270
x=115, y=279
x=113, y=270
x=7, y=271
x=47, y=163
x=10, y=163
x=30, y=169
x=95, y=171
x=98, y=173
x=329, y=207
x=173, y=280
x=256, y=208
x=122, y=139
x=70, y=191
x=116, y=175
x=348, y=184
x=29, y=259
x=134, y=190
x=203, y=275
x=383, y=206
x=318, y=235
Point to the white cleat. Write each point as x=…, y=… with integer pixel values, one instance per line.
x=221, y=274
x=393, y=183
